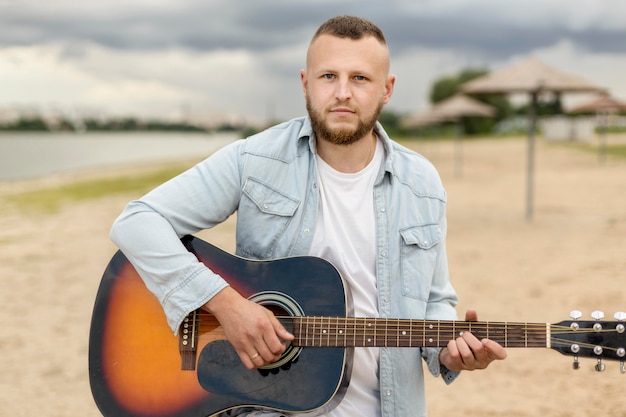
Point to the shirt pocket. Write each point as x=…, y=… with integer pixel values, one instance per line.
x=263, y=218
x=418, y=255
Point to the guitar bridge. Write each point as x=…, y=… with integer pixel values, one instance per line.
x=187, y=341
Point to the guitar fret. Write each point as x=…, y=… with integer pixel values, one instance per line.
x=386, y=338
x=505, y=331
x=525, y=335
x=397, y=333
x=454, y=331
x=326, y=331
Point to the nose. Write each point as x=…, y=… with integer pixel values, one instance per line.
x=342, y=90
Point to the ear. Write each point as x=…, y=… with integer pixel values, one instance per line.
x=391, y=80
x=303, y=80
x=389, y=84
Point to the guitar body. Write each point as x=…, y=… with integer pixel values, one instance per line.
x=135, y=362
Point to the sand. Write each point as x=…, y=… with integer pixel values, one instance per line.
x=572, y=255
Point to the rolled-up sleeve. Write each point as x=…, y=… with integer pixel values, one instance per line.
x=149, y=229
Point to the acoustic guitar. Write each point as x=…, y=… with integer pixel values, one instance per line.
x=138, y=368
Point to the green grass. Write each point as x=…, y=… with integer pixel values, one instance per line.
x=49, y=200
x=617, y=150
x=611, y=150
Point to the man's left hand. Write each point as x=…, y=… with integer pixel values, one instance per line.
x=467, y=353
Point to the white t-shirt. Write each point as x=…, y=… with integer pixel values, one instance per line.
x=345, y=235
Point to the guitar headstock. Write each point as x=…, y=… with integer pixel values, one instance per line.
x=591, y=338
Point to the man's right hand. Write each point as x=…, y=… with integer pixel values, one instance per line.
x=253, y=330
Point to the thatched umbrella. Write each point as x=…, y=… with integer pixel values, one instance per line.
x=603, y=105
x=452, y=109
x=531, y=77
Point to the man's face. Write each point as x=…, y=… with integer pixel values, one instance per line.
x=346, y=85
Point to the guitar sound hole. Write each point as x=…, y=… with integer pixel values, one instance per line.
x=285, y=308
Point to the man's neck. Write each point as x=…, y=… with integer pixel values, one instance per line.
x=348, y=158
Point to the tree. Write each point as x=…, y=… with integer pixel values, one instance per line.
x=446, y=87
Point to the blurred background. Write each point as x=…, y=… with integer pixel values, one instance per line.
x=219, y=63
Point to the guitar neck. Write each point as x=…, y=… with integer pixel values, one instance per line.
x=364, y=332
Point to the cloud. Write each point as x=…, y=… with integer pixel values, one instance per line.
x=490, y=28
x=243, y=57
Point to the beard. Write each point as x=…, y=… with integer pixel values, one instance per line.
x=341, y=136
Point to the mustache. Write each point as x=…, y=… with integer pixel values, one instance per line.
x=343, y=105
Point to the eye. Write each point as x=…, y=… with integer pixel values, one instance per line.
x=328, y=76
x=360, y=78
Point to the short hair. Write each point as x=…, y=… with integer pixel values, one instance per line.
x=352, y=27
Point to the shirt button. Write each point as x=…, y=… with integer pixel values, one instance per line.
x=388, y=393
x=383, y=254
x=382, y=210
x=306, y=230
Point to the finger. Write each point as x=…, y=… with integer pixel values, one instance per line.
x=276, y=341
x=471, y=315
x=465, y=353
x=271, y=345
x=280, y=330
x=246, y=359
x=494, y=349
x=480, y=355
x=453, y=350
x=266, y=354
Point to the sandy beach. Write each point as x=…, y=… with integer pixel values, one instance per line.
x=572, y=255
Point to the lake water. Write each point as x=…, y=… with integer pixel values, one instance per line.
x=32, y=155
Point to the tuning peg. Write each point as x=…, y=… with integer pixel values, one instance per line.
x=576, y=364
x=620, y=316
x=600, y=367
x=598, y=315
x=575, y=314
x=621, y=352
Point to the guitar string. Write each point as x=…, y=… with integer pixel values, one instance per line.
x=411, y=324
x=327, y=327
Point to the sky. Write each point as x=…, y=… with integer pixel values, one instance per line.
x=241, y=58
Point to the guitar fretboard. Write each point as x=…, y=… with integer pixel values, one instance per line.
x=363, y=332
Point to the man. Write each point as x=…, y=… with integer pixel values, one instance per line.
x=331, y=185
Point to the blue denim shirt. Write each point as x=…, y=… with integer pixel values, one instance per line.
x=270, y=181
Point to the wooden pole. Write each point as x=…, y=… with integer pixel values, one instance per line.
x=530, y=174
